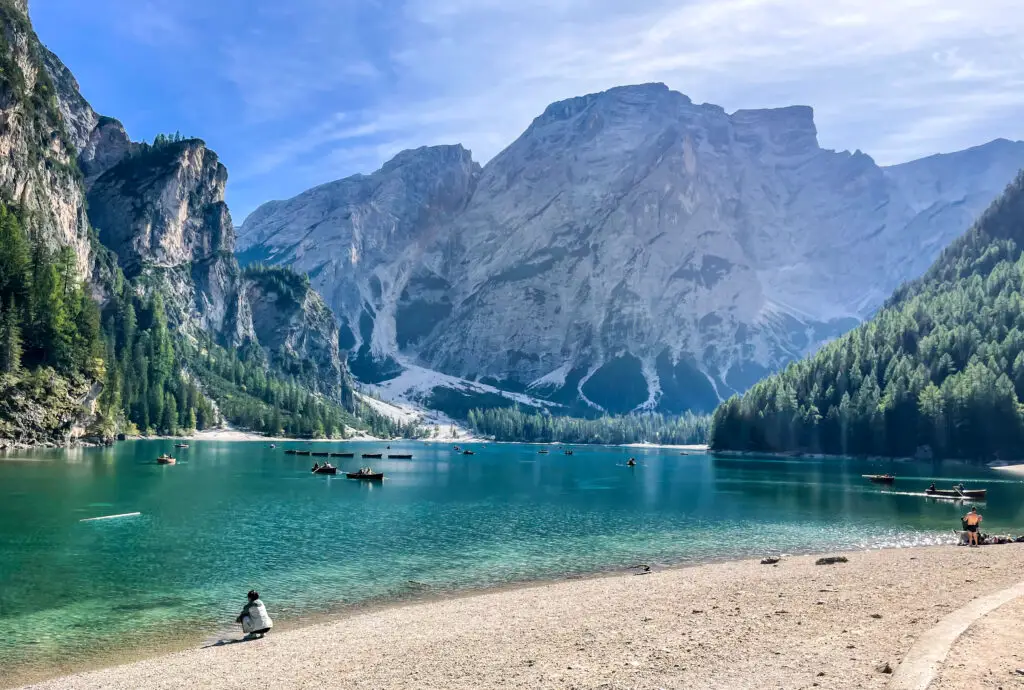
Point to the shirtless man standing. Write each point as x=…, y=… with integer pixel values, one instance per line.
x=973, y=520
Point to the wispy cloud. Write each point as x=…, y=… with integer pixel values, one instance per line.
x=898, y=80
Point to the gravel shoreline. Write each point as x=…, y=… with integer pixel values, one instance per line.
x=738, y=625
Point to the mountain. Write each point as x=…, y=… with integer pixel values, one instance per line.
x=631, y=250
x=122, y=305
x=937, y=373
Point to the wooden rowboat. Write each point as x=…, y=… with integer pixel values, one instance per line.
x=369, y=477
x=291, y=452
x=343, y=455
x=326, y=470
x=303, y=452
x=165, y=460
x=373, y=455
x=400, y=457
x=880, y=478
x=321, y=455
x=976, y=494
x=468, y=452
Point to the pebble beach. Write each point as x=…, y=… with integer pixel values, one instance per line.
x=743, y=624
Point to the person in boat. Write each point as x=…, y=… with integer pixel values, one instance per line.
x=254, y=617
x=316, y=466
x=632, y=462
x=972, y=521
x=932, y=487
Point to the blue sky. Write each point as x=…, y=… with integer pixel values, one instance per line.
x=293, y=94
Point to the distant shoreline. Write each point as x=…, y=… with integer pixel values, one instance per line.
x=241, y=436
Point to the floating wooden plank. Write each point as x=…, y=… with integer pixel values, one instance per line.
x=110, y=517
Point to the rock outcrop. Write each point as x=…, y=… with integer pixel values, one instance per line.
x=631, y=250
x=297, y=330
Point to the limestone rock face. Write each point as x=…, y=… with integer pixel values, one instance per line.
x=161, y=210
x=631, y=250
x=37, y=154
x=362, y=239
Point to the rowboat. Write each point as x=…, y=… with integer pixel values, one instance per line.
x=321, y=455
x=303, y=452
x=165, y=460
x=976, y=494
x=325, y=470
x=400, y=457
x=880, y=478
x=468, y=452
x=181, y=445
x=366, y=476
x=543, y=452
x=291, y=452
x=343, y=455
x=373, y=455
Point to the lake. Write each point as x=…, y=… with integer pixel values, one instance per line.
x=235, y=516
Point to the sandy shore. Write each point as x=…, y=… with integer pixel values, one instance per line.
x=735, y=625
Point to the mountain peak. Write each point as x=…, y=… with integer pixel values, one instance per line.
x=445, y=153
x=633, y=95
x=790, y=126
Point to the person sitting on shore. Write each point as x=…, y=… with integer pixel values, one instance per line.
x=971, y=521
x=254, y=617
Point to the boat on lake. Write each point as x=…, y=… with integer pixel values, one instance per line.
x=291, y=452
x=373, y=455
x=366, y=474
x=325, y=469
x=880, y=478
x=303, y=452
x=543, y=451
x=343, y=455
x=468, y=452
x=181, y=445
x=631, y=462
x=568, y=452
x=401, y=456
x=975, y=494
x=321, y=455
x=166, y=460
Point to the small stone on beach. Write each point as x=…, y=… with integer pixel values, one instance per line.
x=830, y=560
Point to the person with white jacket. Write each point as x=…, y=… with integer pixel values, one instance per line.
x=254, y=617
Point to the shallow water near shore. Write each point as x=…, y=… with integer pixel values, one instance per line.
x=235, y=516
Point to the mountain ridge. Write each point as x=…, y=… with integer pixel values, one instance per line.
x=631, y=236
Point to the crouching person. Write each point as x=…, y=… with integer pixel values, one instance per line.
x=254, y=617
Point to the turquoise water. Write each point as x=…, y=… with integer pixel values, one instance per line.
x=235, y=516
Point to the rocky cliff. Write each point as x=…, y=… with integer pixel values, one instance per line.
x=38, y=171
x=161, y=210
x=156, y=224
x=632, y=249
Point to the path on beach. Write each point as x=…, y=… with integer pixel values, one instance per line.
x=735, y=625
